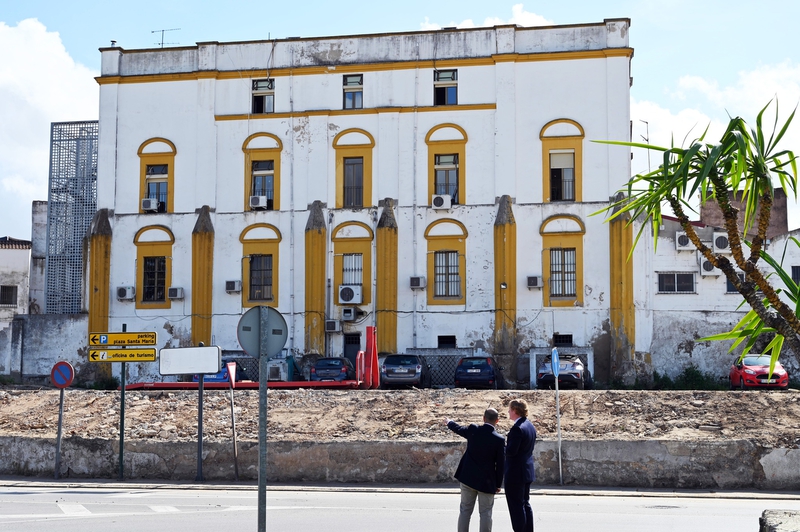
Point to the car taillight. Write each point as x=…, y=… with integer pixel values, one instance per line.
x=383, y=369
x=313, y=369
x=489, y=361
x=344, y=369
x=419, y=368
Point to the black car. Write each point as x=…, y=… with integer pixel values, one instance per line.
x=572, y=373
x=405, y=370
x=478, y=372
x=333, y=369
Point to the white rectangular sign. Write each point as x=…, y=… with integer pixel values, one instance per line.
x=190, y=360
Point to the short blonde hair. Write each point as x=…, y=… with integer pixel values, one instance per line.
x=520, y=407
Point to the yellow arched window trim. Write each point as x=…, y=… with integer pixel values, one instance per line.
x=562, y=144
x=154, y=248
x=353, y=245
x=354, y=151
x=262, y=154
x=447, y=147
x=260, y=246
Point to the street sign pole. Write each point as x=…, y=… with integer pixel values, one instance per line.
x=555, y=364
x=263, y=379
x=122, y=416
x=61, y=376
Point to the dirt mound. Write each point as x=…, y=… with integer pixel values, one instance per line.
x=767, y=418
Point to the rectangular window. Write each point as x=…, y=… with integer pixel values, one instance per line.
x=730, y=289
x=263, y=96
x=676, y=283
x=354, y=182
x=562, y=176
x=446, y=175
x=447, y=281
x=796, y=274
x=562, y=340
x=157, y=175
x=352, y=268
x=445, y=87
x=353, y=91
x=563, y=272
x=446, y=342
x=8, y=296
x=264, y=181
x=155, y=279
x=261, y=278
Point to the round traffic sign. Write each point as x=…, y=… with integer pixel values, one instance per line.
x=262, y=331
x=62, y=374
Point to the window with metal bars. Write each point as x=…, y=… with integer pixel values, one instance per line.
x=261, y=278
x=352, y=268
x=563, y=272
x=447, y=281
x=672, y=283
x=562, y=340
x=154, y=279
x=562, y=177
x=446, y=175
x=264, y=181
x=354, y=182
x=8, y=296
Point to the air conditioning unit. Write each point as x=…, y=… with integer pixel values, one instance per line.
x=175, y=292
x=150, y=205
x=349, y=314
x=534, y=281
x=350, y=294
x=721, y=244
x=258, y=202
x=441, y=201
x=126, y=292
x=332, y=326
x=233, y=286
x=682, y=242
x=417, y=283
x=706, y=268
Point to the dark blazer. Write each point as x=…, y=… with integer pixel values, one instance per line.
x=519, y=452
x=481, y=466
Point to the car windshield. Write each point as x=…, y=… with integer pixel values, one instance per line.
x=401, y=361
x=474, y=362
x=330, y=363
x=756, y=361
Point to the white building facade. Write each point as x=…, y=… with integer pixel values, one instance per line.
x=438, y=185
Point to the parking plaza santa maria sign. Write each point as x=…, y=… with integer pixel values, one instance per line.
x=122, y=347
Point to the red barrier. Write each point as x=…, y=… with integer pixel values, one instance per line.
x=372, y=357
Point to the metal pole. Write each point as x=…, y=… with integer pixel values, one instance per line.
x=233, y=428
x=263, y=378
x=58, y=437
x=122, y=421
x=558, y=423
x=199, y=477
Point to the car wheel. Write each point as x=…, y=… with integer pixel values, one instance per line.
x=730, y=383
x=741, y=385
x=588, y=382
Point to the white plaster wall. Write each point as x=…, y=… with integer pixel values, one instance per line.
x=14, y=268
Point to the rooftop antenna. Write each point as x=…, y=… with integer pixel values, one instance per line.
x=162, y=43
x=647, y=140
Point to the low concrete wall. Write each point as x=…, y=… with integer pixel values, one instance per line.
x=652, y=464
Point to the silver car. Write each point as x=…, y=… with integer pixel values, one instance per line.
x=405, y=370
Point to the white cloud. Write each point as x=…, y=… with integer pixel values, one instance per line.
x=518, y=16
x=39, y=84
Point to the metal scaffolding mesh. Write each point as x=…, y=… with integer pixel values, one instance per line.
x=71, y=204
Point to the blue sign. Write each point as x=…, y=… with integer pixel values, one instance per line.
x=62, y=374
x=554, y=363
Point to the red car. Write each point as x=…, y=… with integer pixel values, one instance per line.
x=753, y=372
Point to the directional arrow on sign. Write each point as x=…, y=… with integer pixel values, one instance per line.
x=94, y=339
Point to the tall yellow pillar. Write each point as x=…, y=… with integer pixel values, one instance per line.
x=386, y=265
x=316, y=239
x=202, y=276
x=99, y=255
x=505, y=278
x=622, y=312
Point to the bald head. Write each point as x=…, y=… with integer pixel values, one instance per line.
x=491, y=416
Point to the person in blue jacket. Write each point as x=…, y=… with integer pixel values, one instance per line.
x=519, y=472
x=480, y=471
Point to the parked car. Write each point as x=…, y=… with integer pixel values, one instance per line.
x=753, y=372
x=478, y=372
x=405, y=370
x=222, y=374
x=572, y=373
x=333, y=369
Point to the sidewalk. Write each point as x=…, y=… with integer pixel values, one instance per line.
x=550, y=491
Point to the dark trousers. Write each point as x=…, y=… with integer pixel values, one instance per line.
x=519, y=506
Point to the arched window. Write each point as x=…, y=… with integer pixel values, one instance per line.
x=447, y=262
x=447, y=162
x=562, y=161
x=153, y=266
x=157, y=175
x=262, y=172
x=260, y=246
x=562, y=260
x=353, y=169
x=352, y=263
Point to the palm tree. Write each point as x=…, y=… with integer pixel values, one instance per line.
x=744, y=165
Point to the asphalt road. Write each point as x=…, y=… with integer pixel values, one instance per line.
x=108, y=507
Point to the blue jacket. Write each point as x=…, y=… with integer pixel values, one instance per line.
x=481, y=466
x=519, y=452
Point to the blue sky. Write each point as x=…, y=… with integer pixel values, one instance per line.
x=694, y=61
